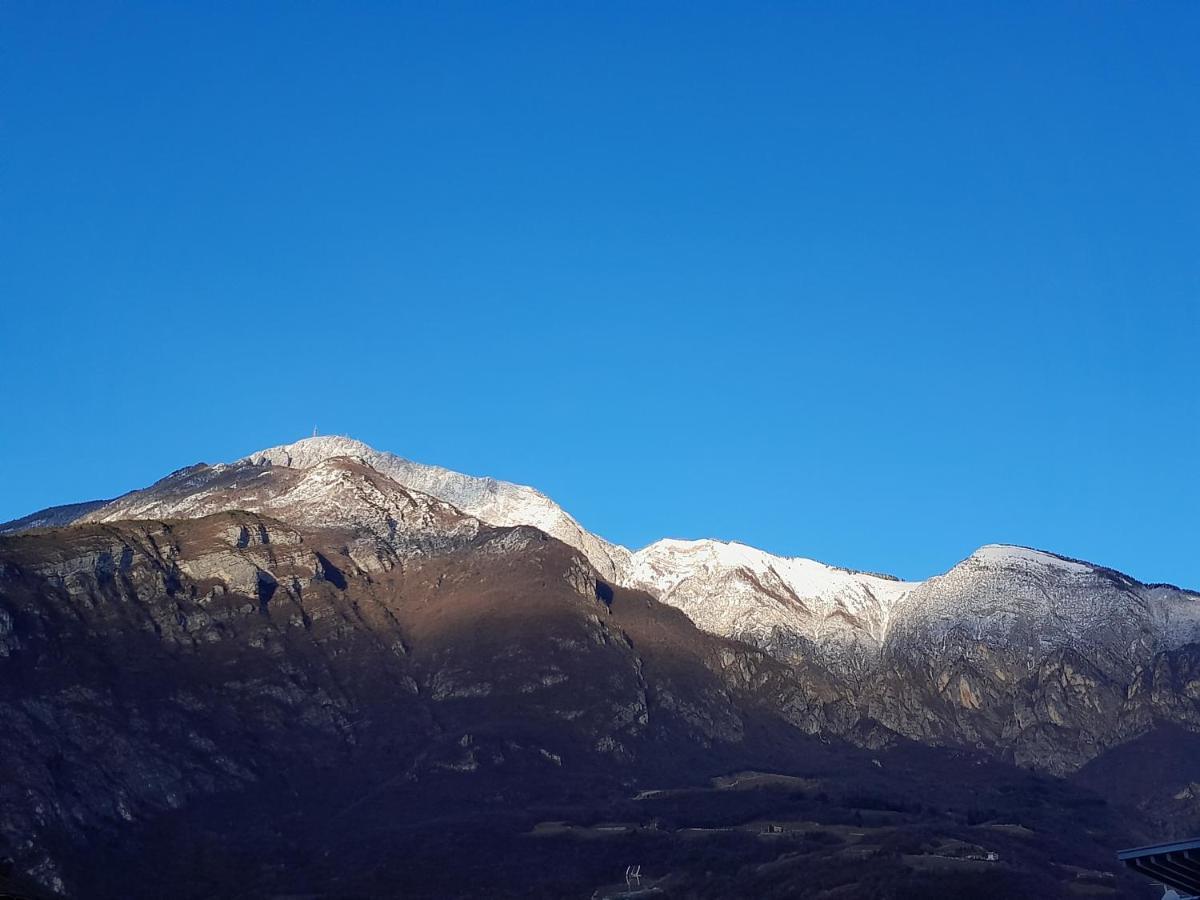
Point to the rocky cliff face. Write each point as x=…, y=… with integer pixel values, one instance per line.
x=795, y=609
x=495, y=502
x=1031, y=654
x=147, y=665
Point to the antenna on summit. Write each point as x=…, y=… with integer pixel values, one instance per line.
x=314, y=431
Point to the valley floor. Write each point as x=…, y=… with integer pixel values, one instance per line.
x=920, y=824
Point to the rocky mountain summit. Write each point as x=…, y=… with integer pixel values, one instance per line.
x=793, y=608
x=345, y=627
x=1031, y=603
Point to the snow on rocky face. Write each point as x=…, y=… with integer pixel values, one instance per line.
x=1030, y=603
x=491, y=501
x=337, y=492
x=1045, y=659
x=793, y=608
x=1026, y=601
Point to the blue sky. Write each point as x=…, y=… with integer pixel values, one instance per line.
x=870, y=283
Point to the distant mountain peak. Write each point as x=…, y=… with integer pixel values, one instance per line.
x=792, y=607
x=1016, y=555
x=309, y=451
x=494, y=502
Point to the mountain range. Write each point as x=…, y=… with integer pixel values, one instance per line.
x=337, y=638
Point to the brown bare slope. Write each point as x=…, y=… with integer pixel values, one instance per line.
x=147, y=665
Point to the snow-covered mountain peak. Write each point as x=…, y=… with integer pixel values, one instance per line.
x=790, y=606
x=707, y=552
x=312, y=451
x=1027, y=603
x=679, y=558
x=309, y=452
x=1000, y=597
x=1014, y=556
x=487, y=499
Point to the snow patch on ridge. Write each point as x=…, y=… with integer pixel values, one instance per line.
x=1013, y=555
x=1002, y=598
x=789, y=606
x=487, y=499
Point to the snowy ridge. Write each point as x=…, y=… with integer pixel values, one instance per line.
x=1013, y=556
x=491, y=501
x=338, y=492
x=52, y=517
x=790, y=606
x=1027, y=602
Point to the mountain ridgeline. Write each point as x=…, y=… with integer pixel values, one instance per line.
x=276, y=674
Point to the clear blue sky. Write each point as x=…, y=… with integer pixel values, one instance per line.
x=870, y=283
